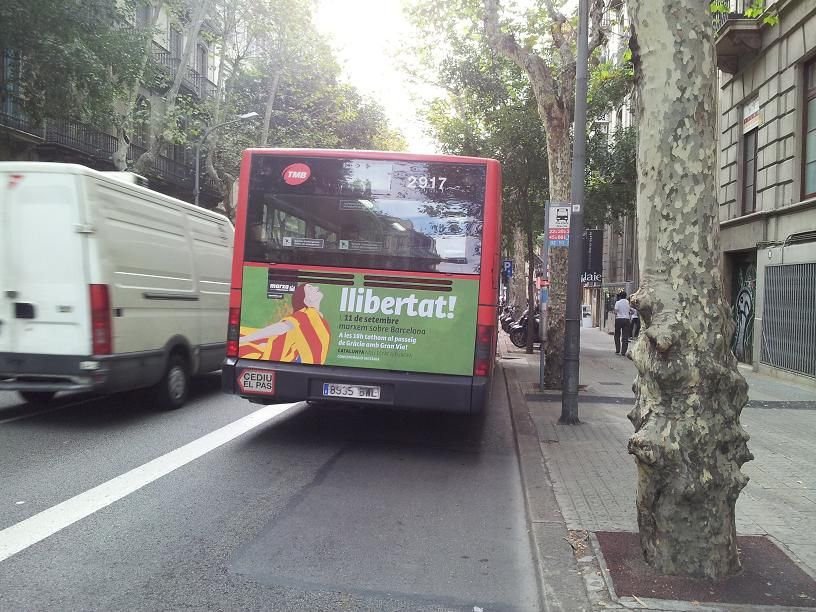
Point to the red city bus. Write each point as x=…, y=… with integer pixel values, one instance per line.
x=364, y=276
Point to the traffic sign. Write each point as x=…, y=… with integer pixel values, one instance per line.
x=559, y=226
x=257, y=381
x=507, y=267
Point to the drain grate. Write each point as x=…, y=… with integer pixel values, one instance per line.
x=610, y=383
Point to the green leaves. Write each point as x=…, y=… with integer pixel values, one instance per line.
x=611, y=176
x=285, y=66
x=75, y=58
x=757, y=9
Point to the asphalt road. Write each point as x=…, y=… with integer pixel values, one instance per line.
x=318, y=508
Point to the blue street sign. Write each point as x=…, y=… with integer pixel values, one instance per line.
x=507, y=266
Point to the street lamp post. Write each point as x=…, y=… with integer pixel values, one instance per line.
x=204, y=139
x=572, y=338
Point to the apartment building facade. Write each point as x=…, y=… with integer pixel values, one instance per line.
x=59, y=139
x=767, y=184
x=620, y=249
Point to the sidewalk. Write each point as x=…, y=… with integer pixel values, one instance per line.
x=594, y=478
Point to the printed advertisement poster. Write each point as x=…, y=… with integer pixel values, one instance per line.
x=381, y=321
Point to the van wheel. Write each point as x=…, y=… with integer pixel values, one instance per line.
x=173, y=388
x=37, y=397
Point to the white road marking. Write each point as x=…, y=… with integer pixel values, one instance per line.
x=20, y=536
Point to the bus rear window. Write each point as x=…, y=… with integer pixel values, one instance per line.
x=411, y=216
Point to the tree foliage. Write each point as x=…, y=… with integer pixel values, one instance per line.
x=95, y=61
x=611, y=176
x=71, y=59
x=489, y=109
x=289, y=75
x=755, y=10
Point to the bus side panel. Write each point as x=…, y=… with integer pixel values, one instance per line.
x=491, y=236
x=240, y=231
x=491, y=244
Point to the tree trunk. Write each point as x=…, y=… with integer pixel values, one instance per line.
x=221, y=87
x=531, y=292
x=229, y=206
x=555, y=98
x=688, y=442
x=124, y=120
x=119, y=156
x=270, y=105
x=160, y=123
x=559, y=152
x=518, y=292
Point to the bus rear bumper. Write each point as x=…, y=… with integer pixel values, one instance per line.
x=406, y=390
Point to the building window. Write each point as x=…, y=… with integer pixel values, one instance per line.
x=176, y=46
x=751, y=120
x=144, y=15
x=809, y=167
x=9, y=83
x=749, y=172
x=201, y=60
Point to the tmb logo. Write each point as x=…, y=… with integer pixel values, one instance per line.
x=296, y=174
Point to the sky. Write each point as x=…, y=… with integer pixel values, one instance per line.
x=367, y=35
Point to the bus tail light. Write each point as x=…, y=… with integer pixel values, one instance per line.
x=484, y=350
x=233, y=331
x=101, y=333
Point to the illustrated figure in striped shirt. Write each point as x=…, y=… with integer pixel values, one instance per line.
x=300, y=337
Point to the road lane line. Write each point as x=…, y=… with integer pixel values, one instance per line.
x=34, y=529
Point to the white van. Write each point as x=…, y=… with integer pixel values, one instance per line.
x=107, y=286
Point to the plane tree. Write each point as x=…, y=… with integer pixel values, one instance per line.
x=688, y=443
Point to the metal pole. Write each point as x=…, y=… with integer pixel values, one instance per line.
x=572, y=338
x=197, y=153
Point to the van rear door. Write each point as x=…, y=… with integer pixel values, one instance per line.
x=44, y=293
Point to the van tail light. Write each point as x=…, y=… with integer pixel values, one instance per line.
x=484, y=350
x=233, y=331
x=101, y=336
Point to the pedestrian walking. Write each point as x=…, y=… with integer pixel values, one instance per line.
x=635, y=322
x=623, y=321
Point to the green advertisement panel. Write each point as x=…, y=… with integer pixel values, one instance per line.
x=381, y=321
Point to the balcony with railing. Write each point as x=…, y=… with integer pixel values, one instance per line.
x=192, y=81
x=165, y=59
x=739, y=36
x=12, y=115
x=76, y=141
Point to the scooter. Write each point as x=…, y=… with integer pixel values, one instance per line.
x=518, y=331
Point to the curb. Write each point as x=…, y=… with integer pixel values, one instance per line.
x=560, y=582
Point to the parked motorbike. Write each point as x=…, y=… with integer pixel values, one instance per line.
x=506, y=319
x=518, y=331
